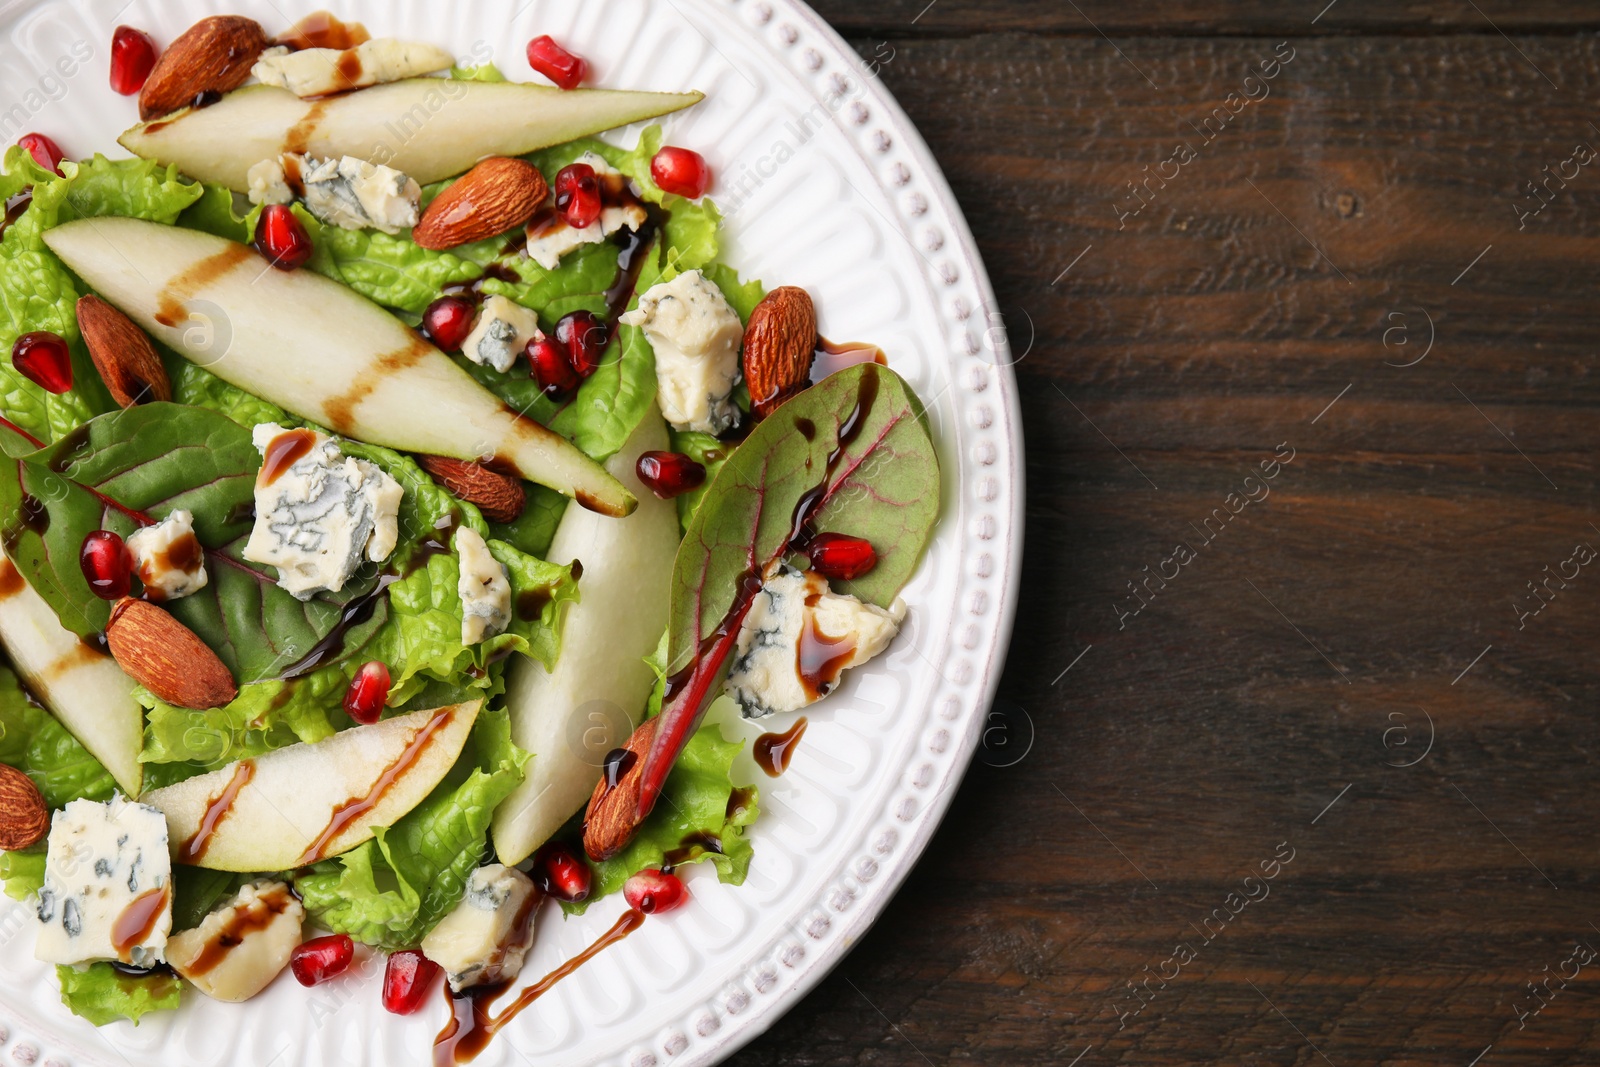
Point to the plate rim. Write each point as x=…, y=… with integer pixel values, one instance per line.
x=777, y=29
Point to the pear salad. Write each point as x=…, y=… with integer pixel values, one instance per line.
x=393, y=476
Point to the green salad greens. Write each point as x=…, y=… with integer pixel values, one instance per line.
x=259, y=727
x=73, y=451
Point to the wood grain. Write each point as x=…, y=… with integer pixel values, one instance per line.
x=1190, y=18
x=1281, y=690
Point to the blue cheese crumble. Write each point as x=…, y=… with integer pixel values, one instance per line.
x=168, y=558
x=318, y=519
x=549, y=239
x=485, y=591
x=503, y=331
x=799, y=638
x=486, y=937
x=104, y=861
x=347, y=192
x=696, y=337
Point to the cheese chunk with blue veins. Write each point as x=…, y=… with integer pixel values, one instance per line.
x=319, y=516
x=486, y=937
x=503, y=331
x=320, y=71
x=799, y=638
x=347, y=192
x=696, y=336
x=485, y=591
x=107, y=892
x=168, y=558
x=240, y=947
x=549, y=236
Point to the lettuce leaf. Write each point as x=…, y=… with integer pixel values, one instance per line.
x=102, y=994
x=390, y=891
x=38, y=292
x=198, y=387
x=418, y=637
x=535, y=528
x=23, y=873
x=35, y=743
x=699, y=806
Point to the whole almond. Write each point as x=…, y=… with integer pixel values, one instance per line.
x=497, y=195
x=123, y=353
x=24, y=818
x=500, y=497
x=212, y=56
x=166, y=657
x=613, y=814
x=779, y=346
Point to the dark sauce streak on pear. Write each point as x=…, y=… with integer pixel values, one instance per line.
x=170, y=309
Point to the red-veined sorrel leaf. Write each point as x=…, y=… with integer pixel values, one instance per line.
x=850, y=455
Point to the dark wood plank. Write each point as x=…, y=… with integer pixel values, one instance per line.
x=1191, y=18
x=1297, y=661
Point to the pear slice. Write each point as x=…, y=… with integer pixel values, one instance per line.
x=81, y=685
x=572, y=716
x=429, y=128
x=297, y=805
x=318, y=349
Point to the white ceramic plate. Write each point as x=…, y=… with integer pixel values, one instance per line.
x=826, y=185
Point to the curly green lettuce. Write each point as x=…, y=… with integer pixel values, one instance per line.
x=35, y=743
x=102, y=994
x=419, y=641
x=38, y=292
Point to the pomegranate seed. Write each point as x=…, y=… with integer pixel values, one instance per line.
x=406, y=980
x=561, y=873
x=448, y=321
x=585, y=336
x=44, y=151
x=321, y=958
x=43, y=358
x=578, y=195
x=133, y=55
x=680, y=171
x=670, y=474
x=555, y=62
x=282, y=238
x=841, y=557
x=552, y=369
x=107, y=565
x=652, y=890
x=364, y=700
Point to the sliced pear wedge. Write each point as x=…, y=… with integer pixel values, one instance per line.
x=297, y=805
x=429, y=128
x=318, y=349
x=572, y=716
x=80, y=685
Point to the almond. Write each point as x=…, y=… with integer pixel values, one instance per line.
x=499, y=496
x=497, y=195
x=779, y=345
x=613, y=815
x=123, y=353
x=166, y=657
x=212, y=56
x=24, y=817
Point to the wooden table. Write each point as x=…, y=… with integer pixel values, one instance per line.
x=1372, y=675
